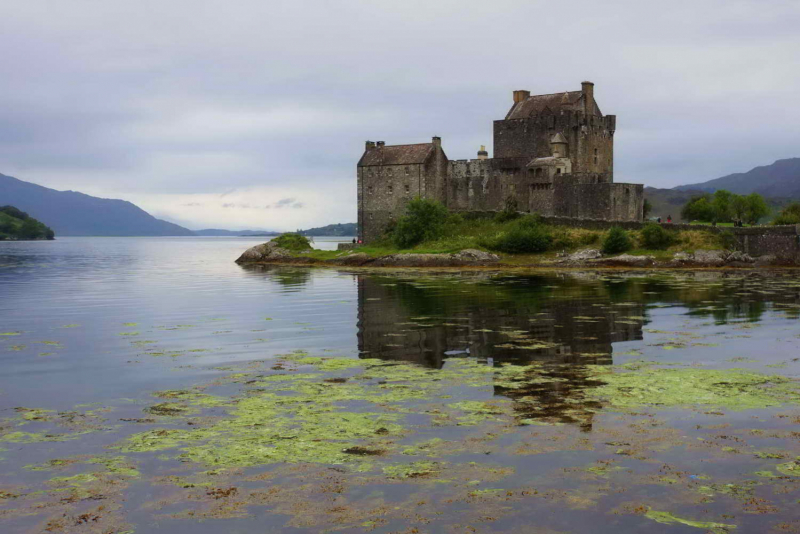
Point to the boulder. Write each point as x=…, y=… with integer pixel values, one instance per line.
x=263, y=252
x=352, y=259
x=581, y=255
x=709, y=258
x=472, y=255
x=739, y=257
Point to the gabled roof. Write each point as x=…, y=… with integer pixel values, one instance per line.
x=535, y=104
x=558, y=138
x=396, y=155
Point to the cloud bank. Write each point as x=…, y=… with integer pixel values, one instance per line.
x=173, y=104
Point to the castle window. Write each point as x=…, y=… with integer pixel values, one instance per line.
x=558, y=171
x=391, y=189
x=539, y=171
x=408, y=189
x=369, y=189
x=408, y=171
x=595, y=156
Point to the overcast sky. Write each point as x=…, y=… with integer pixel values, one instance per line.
x=253, y=114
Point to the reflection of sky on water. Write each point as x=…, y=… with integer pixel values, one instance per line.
x=110, y=321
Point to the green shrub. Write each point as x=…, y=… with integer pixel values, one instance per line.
x=424, y=221
x=562, y=240
x=292, y=241
x=656, y=237
x=616, y=241
x=520, y=240
x=789, y=215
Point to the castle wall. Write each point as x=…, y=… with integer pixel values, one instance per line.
x=383, y=194
x=616, y=202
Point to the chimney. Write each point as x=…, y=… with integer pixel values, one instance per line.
x=437, y=141
x=588, y=93
x=370, y=145
x=482, y=154
x=381, y=143
x=521, y=96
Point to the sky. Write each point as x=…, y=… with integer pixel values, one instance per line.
x=253, y=114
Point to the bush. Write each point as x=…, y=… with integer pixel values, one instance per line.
x=424, y=221
x=789, y=215
x=655, y=237
x=292, y=241
x=616, y=241
x=526, y=235
x=523, y=241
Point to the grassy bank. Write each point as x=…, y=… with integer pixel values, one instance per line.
x=485, y=234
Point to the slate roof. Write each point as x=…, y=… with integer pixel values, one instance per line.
x=535, y=104
x=396, y=155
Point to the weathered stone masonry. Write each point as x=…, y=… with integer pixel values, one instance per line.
x=554, y=155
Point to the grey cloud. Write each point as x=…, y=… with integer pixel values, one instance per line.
x=247, y=96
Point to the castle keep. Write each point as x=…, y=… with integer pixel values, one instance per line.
x=554, y=155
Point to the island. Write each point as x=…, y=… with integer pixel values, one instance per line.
x=17, y=225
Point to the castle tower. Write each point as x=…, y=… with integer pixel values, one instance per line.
x=559, y=146
x=482, y=154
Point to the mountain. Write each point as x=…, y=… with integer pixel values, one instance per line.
x=779, y=180
x=70, y=213
x=337, y=230
x=16, y=224
x=216, y=232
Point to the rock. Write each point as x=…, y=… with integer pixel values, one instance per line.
x=709, y=258
x=581, y=255
x=739, y=257
x=263, y=252
x=352, y=259
x=765, y=260
x=467, y=257
x=626, y=260
x=476, y=256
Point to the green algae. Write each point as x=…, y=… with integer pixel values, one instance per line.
x=733, y=389
x=790, y=468
x=10, y=333
x=671, y=519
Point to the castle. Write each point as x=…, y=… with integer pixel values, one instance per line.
x=554, y=155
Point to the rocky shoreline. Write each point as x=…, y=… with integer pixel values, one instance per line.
x=270, y=253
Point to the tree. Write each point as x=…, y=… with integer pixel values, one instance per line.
x=757, y=208
x=699, y=208
x=722, y=203
x=31, y=229
x=646, y=209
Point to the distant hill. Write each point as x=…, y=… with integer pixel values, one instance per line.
x=338, y=230
x=215, y=232
x=780, y=180
x=16, y=224
x=70, y=213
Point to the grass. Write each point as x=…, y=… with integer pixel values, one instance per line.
x=463, y=234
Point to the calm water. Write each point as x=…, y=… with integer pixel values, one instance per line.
x=152, y=385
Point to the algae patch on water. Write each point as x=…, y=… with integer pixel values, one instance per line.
x=733, y=389
x=671, y=519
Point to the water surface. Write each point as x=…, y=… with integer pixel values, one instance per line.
x=152, y=385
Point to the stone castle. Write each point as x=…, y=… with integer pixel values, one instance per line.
x=554, y=155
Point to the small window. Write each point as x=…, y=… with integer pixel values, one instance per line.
x=558, y=171
x=408, y=189
x=408, y=171
x=369, y=189
x=391, y=189
x=595, y=156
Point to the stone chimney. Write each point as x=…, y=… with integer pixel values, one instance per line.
x=588, y=94
x=370, y=145
x=381, y=144
x=521, y=96
x=482, y=154
x=437, y=141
